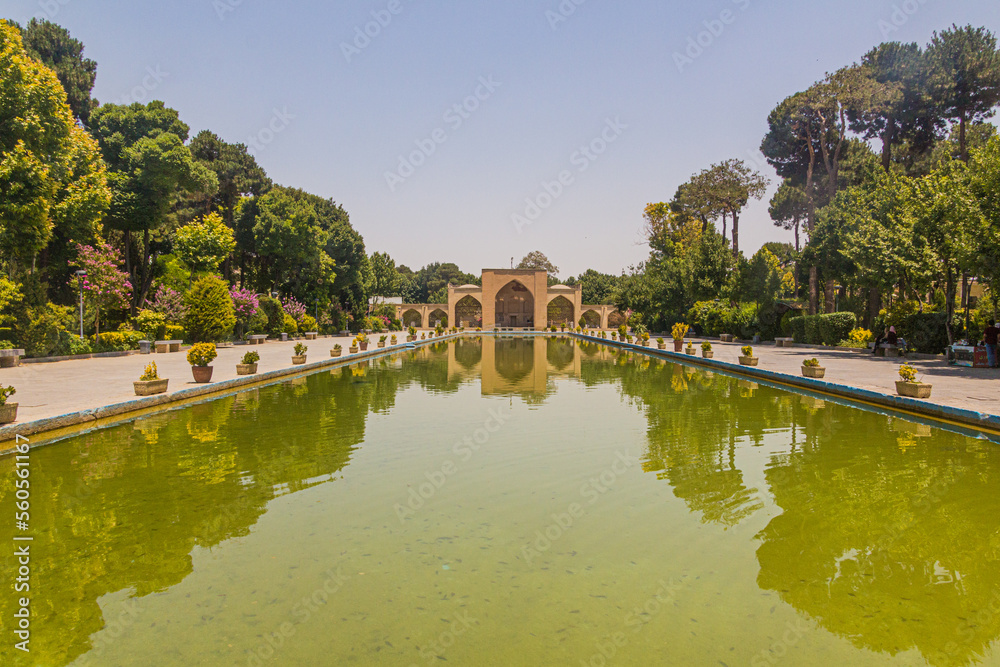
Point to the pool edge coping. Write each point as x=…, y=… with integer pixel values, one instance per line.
x=52, y=429
x=981, y=421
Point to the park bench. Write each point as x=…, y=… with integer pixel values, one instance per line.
x=726, y=338
x=311, y=335
x=164, y=346
x=257, y=339
x=784, y=342
x=10, y=358
x=886, y=350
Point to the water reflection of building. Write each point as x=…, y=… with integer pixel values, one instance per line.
x=513, y=365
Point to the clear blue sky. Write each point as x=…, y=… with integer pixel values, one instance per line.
x=343, y=121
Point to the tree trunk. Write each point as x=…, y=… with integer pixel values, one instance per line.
x=736, y=234
x=725, y=222
x=949, y=304
x=963, y=151
x=798, y=224
x=813, y=290
x=874, y=306
x=829, y=302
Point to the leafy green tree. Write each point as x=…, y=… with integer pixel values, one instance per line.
x=210, y=314
x=205, y=243
x=964, y=69
x=52, y=45
x=536, y=260
x=52, y=181
x=151, y=170
x=386, y=279
x=598, y=288
x=789, y=209
x=731, y=186
x=986, y=188
x=946, y=221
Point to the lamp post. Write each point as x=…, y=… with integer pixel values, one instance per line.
x=80, y=275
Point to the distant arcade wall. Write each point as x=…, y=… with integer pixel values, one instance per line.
x=509, y=299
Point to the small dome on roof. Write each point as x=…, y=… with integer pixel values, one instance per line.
x=564, y=288
x=470, y=287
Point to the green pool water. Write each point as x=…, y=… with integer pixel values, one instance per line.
x=515, y=501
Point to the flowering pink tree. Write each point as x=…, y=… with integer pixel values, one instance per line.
x=246, y=304
x=294, y=308
x=105, y=284
x=170, y=303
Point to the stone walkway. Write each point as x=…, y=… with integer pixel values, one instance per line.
x=976, y=389
x=54, y=389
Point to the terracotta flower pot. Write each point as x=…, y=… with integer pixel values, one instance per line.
x=913, y=389
x=336, y=353
x=8, y=413
x=817, y=372
x=202, y=374
x=363, y=346
x=298, y=360
x=749, y=361
x=410, y=339
x=678, y=346
x=149, y=387
x=246, y=369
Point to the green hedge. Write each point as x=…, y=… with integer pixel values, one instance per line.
x=926, y=332
x=827, y=329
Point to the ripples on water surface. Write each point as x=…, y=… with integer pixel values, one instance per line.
x=512, y=502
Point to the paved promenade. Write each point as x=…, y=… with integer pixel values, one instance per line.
x=54, y=389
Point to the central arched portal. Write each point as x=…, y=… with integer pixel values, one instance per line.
x=515, y=307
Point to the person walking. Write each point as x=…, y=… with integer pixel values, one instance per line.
x=990, y=337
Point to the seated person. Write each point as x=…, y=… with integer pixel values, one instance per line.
x=878, y=341
x=891, y=338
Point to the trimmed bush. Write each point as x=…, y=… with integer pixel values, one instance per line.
x=173, y=332
x=290, y=325
x=117, y=341
x=275, y=314
x=308, y=323
x=827, y=329
x=151, y=324
x=926, y=332
x=210, y=316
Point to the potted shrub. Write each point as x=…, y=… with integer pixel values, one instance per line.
x=8, y=411
x=354, y=346
x=628, y=338
x=423, y=336
x=748, y=359
x=439, y=331
x=149, y=383
x=908, y=386
x=678, y=332
x=381, y=341
x=300, y=354
x=249, y=364
x=393, y=340
x=689, y=350
x=812, y=369
x=412, y=331
x=661, y=344
x=644, y=339
x=200, y=356
x=706, y=350
x=614, y=335
x=336, y=351
x=363, y=341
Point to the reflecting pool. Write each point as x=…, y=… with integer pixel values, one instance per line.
x=512, y=501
